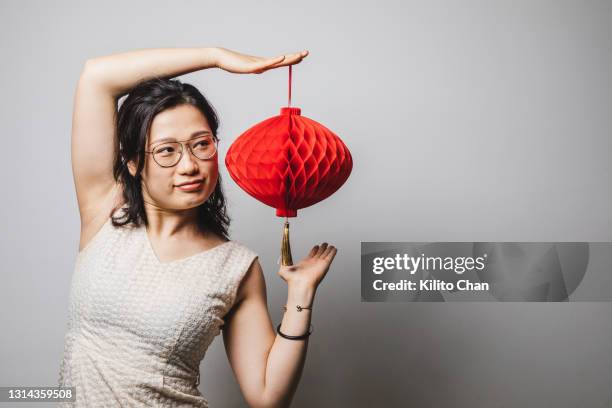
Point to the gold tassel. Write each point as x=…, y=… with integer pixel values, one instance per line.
x=285, y=247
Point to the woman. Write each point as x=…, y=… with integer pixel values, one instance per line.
x=157, y=277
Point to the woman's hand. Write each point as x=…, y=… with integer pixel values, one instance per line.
x=237, y=63
x=310, y=271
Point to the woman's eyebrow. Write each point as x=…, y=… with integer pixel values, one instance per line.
x=171, y=139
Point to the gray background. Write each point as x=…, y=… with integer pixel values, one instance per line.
x=467, y=120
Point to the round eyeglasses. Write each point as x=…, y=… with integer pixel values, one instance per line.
x=168, y=154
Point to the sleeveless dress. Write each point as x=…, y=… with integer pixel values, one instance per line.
x=138, y=328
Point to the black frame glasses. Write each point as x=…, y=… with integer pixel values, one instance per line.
x=181, y=149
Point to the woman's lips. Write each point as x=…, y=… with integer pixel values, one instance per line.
x=191, y=187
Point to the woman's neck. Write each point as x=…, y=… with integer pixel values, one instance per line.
x=166, y=223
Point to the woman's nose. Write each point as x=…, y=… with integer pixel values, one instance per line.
x=187, y=164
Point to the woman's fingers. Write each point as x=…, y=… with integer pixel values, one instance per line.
x=313, y=251
x=327, y=252
x=283, y=60
x=330, y=253
x=266, y=64
x=273, y=61
x=321, y=249
x=291, y=59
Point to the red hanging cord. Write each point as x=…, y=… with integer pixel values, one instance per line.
x=289, y=103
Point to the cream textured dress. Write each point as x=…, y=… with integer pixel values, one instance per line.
x=138, y=328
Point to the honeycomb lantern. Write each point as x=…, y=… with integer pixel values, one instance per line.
x=289, y=162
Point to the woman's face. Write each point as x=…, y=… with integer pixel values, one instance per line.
x=164, y=187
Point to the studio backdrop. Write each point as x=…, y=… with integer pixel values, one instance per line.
x=477, y=123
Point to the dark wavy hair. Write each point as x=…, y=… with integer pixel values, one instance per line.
x=134, y=118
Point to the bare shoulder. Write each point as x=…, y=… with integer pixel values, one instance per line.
x=253, y=284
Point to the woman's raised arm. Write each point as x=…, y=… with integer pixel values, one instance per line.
x=102, y=82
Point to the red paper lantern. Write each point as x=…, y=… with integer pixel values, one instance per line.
x=289, y=162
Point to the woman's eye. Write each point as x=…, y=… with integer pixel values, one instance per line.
x=202, y=143
x=165, y=150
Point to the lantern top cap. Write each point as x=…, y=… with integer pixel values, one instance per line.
x=290, y=110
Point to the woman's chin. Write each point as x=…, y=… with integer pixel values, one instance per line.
x=194, y=202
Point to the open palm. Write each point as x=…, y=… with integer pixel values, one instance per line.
x=311, y=270
x=238, y=63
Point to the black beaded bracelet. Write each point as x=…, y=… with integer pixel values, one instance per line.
x=303, y=336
